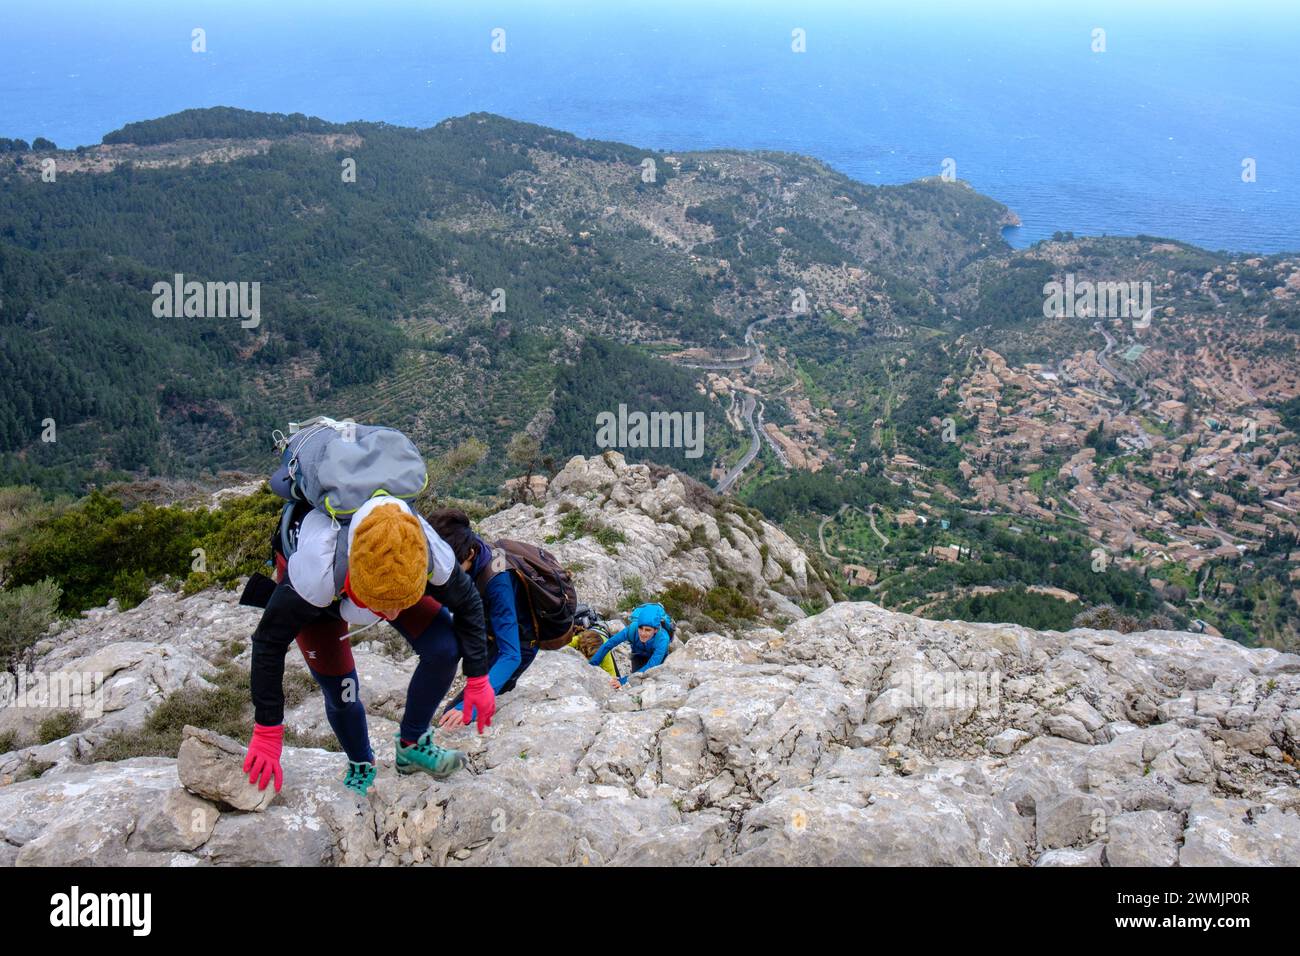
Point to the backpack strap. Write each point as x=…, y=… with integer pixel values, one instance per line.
x=494, y=567
x=340, y=560
x=287, y=536
x=537, y=629
x=501, y=562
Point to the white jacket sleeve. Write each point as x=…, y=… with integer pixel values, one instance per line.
x=356, y=615
x=311, y=567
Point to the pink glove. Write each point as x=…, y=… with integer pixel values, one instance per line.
x=480, y=700
x=263, y=760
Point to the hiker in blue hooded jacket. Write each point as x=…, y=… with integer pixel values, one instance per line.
x=514, y=645
x=648, y=629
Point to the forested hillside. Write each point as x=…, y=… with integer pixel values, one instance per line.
x=377, y=290
x=875, y=366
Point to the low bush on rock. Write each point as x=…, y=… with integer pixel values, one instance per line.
x=100, y=549
x=633, y=593
x=57, y=726
x=575, y=524
x=224, y=707
x=26, y=612
x=1106, y=617
x=704, y=610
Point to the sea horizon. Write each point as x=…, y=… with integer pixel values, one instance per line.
x=1151, y=134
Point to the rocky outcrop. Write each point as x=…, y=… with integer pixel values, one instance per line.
x=211, y=766
x=855, y=735
x=128, y=662
x=660, y=528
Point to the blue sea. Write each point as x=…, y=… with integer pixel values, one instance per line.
x=1148, y=136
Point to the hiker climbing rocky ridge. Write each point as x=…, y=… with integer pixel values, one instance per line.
x=851, y=735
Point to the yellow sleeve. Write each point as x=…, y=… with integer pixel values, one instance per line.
x=607, y=665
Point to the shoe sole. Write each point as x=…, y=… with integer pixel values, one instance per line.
x=406, y=770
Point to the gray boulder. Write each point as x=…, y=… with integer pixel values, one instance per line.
x=212, y=766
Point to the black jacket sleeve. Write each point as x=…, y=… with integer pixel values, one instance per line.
x=286, y=614
x=460, y=597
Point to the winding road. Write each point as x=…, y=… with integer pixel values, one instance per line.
x=747, y=408
x=747, y=412
x=749, y=361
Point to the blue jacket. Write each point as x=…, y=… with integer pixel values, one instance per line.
x=656, y=648
x=500, y=612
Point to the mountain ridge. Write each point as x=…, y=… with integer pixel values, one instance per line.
x=486, y=279
x=854, y=735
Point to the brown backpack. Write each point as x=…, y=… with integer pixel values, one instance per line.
x=552, y=600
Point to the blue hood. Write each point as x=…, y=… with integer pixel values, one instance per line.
x=652, y=615
x=482, y=559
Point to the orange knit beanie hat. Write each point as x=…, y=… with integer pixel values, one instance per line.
x=388, y=563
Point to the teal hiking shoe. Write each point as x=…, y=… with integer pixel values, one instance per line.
x=426, y=756
x=359, y=776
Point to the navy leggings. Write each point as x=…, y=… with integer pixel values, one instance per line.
x=427, y=627
x=430, y=633
x=346, y=714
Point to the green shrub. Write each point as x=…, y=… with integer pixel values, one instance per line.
x=25, y=614
x=721, y=604
x=225, y=708
x=130, y=588
x=21, y=508
x=239, y=542
x=1105, y=617
x=8, y=741
x=98, y=550
x=57, y=726
x=609, y=538
x=447, y=469
x=633, y=592
x=728, y=604
x=573, y=524
x=681, y=600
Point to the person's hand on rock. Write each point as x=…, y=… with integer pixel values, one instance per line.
x=262, y=762
x=479, y=704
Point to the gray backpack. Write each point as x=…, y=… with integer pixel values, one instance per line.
x=338, y=466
